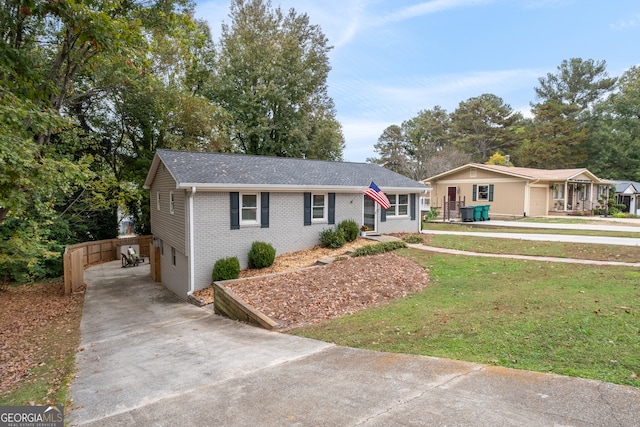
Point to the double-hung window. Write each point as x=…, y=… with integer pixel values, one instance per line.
x=399, y=205
x=172, y=202
x=249, y=209
x=482, y=192
x=158, y=200
x=319, y=207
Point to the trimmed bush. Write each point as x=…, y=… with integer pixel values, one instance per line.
x=350, y=229
x=226, y=269
x=379, y=248
x=261, y=255
x=332, y=238
x=413, y=238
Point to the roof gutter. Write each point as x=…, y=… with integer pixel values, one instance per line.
x=192, y=261
x=293, y=188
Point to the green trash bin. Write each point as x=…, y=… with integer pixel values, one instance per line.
x=477, y=213
x=485, y=212
x=467, y=213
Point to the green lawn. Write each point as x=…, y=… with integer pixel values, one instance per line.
x=535, y=248
x=486, y=227
x=567, y=319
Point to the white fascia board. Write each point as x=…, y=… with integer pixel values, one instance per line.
x=295, y=188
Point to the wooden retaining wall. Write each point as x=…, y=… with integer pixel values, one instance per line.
x=227, y=303
x=79, y=256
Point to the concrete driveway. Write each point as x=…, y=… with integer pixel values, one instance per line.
x=150, y=359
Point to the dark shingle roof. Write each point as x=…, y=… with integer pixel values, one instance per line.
x=621, y=186
x=221, y=169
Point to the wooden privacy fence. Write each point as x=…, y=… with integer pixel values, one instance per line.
x=79, y=256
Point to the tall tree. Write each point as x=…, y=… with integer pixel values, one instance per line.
x=577, y=85
x=392, y=146
x=271, y=78
x=484, y=124
x=565, y=100
x=427, y=135
x=614, y=131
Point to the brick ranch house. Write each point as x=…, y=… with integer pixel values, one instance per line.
x=207, y=206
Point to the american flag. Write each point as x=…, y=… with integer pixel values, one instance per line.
x=377, y=195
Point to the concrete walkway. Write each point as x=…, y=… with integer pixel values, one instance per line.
x=150, y=359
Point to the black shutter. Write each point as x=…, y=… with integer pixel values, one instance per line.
x=235, y=210
x=475, y=190
x=264, y=210
x=307, y=208
x=491, y=193
x=332, y=208
x=413, y=207
x=383, y=214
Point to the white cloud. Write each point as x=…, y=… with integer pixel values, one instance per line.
x=624, y=24
x=427, y=8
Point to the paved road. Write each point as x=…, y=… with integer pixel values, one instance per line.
x=150, y=359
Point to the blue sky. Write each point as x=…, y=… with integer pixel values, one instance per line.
x=393, y=58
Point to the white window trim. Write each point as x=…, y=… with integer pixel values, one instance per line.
x=172, y=203
x=158, y=200
x=252, y=222
x=173, y=257
x=325, y=207
x=478, y=198
x=394, y=209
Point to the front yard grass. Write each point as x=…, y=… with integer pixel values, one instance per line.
x=596, y=252
x=487, y=227
x=566, y=319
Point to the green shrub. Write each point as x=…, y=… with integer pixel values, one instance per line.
x=379, y=248
x=332, y=238
x=261, y=255
x=413, y=238
x=431, y=215
x=226, y=269
x=350, y=229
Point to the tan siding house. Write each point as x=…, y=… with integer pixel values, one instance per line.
x=514, y=191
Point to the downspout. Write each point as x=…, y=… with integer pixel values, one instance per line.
x=192, y=261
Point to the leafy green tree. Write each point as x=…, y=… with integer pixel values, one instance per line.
x=68, y=68
x=391, y=146
x=271, y=73
x=484, y=124
x=565, y=100
x=614, y=131
x=427, y=134
x=578, y=84
x=555, y=142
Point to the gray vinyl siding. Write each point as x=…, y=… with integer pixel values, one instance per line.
x=172, y=228
x=214, y=238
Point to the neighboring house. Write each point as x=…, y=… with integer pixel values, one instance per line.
x=514, y=191
x=628, y=194
x=208, y=206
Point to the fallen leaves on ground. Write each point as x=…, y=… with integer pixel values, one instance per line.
x=343, y=287
x=32, y=317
